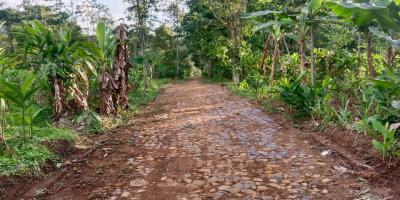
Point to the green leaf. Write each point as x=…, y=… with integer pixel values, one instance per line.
x=259, y=13
x=379, y=146
x=363, y=14
x=378, y=126
x=275, y=24
x=382, y=2
x=315, y=5
x=101, y=35
x=37, y=112
x=28, y=82
x=376, y=31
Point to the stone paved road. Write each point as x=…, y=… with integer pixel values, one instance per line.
x=199, y=141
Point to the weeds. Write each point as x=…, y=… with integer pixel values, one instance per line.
x=389, y=147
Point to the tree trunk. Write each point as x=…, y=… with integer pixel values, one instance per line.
x=283, y=67
x=235, y=53
x=80, y=98
x=142, y=40
x=370, y=58
x=389, y=55
x=106, y=104
x=59, y=94
x=358, y=52
x=208, y=68
x=152, y=71
x=274, y=57
x=312, y=55
x=177, y=58
x=265, y=52
x=302, y=54
x=287, y=49
x=121, y=69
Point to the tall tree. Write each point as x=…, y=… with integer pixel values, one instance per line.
x=176, y=13
x=228, y=13
x=141, y=14
x=91, y=12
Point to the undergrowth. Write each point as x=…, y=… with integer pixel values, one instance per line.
x=27, y=157
x=24, y=156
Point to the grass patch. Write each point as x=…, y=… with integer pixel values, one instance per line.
x=28, y=156
x=265, y=95
x=243, y=91
x=137, y=100
x=141, y=97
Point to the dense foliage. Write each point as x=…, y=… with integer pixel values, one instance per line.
x=334, y=62
x=57, y=80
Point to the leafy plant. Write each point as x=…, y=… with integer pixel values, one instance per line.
x=90, y=120
x=62, y=61
x=390, y=146
x=21, y=96
x=298, y=96
x=107, y=44
x=344, y=116
x=323, y=108
x=386, y=91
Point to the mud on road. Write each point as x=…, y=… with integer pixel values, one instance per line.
x=199, y=141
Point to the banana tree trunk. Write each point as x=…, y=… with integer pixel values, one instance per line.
x=312, y=59
x=106, y=104
x=265, y=52
x=287, y=49
x=283, y=67
x=80, y=98
x=302, y=54
x=120, y=82
x=359, y=42
x=59, y=94
x=274, y=57
x=370, y=58
x=389, y=55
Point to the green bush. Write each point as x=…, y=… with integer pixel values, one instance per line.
x=390, y=146
x=28, y=156
x=299, y=97
x=386, y=92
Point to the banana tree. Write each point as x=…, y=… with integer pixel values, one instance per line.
x=276, y=30
x=313, y=10
x=56, y=57
x=269, y=38
x=107, y=44
x=388, y=33
x=3, y=105
x=301, y=28
x=121, y=68
x=305, y=24
x=364, y=15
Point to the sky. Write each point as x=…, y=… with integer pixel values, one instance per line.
x=117, y=7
